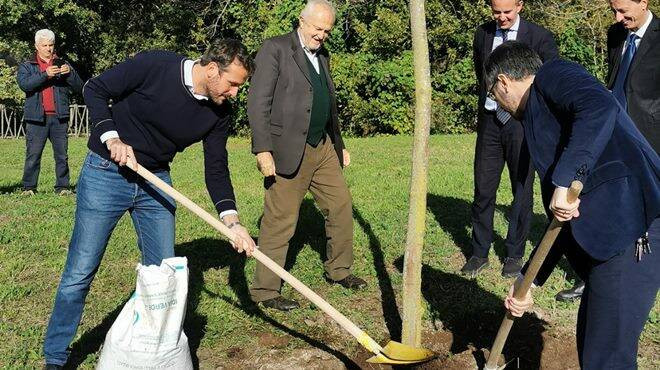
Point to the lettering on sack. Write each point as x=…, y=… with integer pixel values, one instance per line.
x=161, y=305
x=130, y=366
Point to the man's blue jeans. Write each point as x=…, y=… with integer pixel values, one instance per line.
x=104, y=193
x=36, y=134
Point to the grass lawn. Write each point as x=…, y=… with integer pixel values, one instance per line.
x=226, y=329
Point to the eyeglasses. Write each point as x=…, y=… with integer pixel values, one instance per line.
x=489, y=93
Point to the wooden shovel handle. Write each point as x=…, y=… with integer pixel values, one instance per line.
x=520, y=291
x=342, y=320
x=545, y=245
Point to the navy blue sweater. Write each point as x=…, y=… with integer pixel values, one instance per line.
x=155, y=113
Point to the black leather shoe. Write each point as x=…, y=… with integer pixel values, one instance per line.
x=511, y=267
x=53, y=367
x=474, y=265
x=350, y=282
x=572, y=294
x=281, y=303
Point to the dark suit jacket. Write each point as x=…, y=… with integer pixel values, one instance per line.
x=280, y=101
x=530, y=34
x=643, y=83
x=576, y=131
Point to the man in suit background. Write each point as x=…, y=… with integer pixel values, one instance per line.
x=575, y=130
x=633, y=66
x=298, y=145
x=500, y=141
x=632, y=76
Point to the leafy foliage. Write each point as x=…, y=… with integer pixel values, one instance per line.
x=370, y=46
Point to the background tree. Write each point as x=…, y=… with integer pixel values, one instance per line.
x=371, y=46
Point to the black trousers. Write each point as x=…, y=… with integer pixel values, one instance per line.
x=498, y=145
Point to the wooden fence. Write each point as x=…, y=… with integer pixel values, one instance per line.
x=12, y=126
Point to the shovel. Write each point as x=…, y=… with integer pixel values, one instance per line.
x=393, y=353
x=532, y=269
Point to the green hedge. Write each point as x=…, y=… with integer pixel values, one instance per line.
x=370, y=45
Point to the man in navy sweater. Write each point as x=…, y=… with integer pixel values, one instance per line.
x=161, y=103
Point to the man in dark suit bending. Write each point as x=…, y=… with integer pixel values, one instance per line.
x=633, y=45
x=575, y=130
x=500, y=141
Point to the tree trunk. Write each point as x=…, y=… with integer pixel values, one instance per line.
x=412, y=266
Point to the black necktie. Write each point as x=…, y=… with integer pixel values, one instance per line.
x=502, y=115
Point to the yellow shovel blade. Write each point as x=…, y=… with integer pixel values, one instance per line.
x=380, y=359
x=399, y=353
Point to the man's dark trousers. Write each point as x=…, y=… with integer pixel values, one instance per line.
x=499, y=144
x=36, y=133
x=619, y=294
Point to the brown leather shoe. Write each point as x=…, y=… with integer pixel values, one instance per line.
x=281, y=303
x=350, y=282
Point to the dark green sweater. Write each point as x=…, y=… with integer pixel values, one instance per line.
x=320, y=104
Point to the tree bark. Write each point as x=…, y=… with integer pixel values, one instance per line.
x=412, y=266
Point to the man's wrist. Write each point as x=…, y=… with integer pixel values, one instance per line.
x=229, y=217
x=106, y=136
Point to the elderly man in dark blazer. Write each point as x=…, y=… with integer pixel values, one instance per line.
x=632, y=76
x=500, y=141
x=575, y=130
x=298, y=145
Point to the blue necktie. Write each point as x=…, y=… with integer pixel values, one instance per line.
x=619, y=89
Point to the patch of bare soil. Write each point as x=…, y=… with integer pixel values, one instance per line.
x=550, y=349
x=269, y=340
x=296, y=359
x=558, y=353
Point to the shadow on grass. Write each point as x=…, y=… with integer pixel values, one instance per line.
x=204, y=254
x=91, y=341
x=473, y=316
x=388, y=297
x=311, y=230
x=454, y=216
x=11, y=188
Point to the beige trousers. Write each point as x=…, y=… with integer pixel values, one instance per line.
x=320, y=174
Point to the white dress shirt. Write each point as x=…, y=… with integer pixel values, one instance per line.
x=640, y=32
x=312, y=56
x=512, y=34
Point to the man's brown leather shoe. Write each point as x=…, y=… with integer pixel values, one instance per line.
x=350, y=282
x=281, y=303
